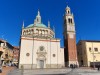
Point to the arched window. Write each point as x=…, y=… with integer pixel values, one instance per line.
x=37, y=20
x=68, y=12
x=41, y=32
x=47, y=32
x=37, y=31
x=32, y=30
x=26, y=32
x=71, y=21
x=29, y=32
x=23, y=32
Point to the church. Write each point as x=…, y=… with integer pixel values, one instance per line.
x=40, y=49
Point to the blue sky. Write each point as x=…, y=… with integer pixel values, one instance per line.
x=13, y=12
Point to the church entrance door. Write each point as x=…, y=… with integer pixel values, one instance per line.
x=41, y=63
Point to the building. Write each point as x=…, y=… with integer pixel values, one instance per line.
x=15, y=55
x=39, y=48
x=69, y=34
x=6, y=52
x=88, y=53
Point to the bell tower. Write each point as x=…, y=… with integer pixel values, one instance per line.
x=70, y=51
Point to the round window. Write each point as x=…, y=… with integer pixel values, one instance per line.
x=41, y=48
x=54, y=55
x=27, y=54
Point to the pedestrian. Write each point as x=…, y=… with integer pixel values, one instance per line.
x=71, y=66
x=74, y=66
x=0, y=69
x=98, y=67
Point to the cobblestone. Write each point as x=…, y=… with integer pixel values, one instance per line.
x=67, y=71
x=5, y=70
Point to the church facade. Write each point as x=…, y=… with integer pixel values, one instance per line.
x=39, y=48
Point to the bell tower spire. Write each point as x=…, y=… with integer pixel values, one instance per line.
x=68, y=11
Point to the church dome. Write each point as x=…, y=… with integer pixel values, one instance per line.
x=37, y=22
x=29, y=26
x=41, y=25
x=37, y=25
x=38, y=29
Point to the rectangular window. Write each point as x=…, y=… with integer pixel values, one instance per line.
x=96, y=49
x=90, y=49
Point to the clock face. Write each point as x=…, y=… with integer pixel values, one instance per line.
x=71, y=36
x=70, y=28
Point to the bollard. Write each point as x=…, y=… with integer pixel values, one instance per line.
x=22, y=70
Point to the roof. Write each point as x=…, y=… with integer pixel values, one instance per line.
x=90, y=40
x=7, y=43
x=2, y=40
x=15, y=47
x=37, y=25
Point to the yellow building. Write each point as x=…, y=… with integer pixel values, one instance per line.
x=6, y=52
x=88, y=52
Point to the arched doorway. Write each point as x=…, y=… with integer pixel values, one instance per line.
x=41, y=64
x=41, y=57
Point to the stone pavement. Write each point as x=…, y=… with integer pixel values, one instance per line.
x=5, y=70
x=67, y=71
x=81, y=71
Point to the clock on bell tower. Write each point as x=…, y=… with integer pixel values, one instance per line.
x=70, y=51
